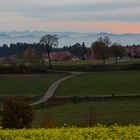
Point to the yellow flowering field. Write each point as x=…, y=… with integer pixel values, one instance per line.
x=68, y=133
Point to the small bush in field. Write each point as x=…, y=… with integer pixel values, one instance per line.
x=16, y=114
x=21, y=66
x=48, y=123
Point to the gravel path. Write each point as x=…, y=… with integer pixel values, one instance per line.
x=53, y=87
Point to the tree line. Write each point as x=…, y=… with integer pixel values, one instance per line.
x=102, y=48
x=19, y=48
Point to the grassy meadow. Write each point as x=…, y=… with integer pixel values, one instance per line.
x=131, y=61
x=97, y=62
x=101, y=83
x=27, y=84
x=78, y=62
x=123, y=112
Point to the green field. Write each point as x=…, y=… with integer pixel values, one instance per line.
x=131, y=61
x=96, y=83
x=104, y=112
x=97, y=62
x=84, y=62
x=101, y=83
x=78, y=62
x=26, y=85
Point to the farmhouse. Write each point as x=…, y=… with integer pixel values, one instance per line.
x=9, y=60
x=91, y=56
x=77, y=45
x=58, y=56
x=78, y=50
x=133, y=51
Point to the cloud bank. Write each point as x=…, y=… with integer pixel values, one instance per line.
x=41, y=14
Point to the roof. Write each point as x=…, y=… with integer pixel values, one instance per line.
x=91, y=56
x=77, y=45
x=59, y=56
x=133, y=51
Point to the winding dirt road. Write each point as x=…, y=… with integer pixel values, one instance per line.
x=53, y=87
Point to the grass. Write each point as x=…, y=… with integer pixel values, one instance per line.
x=82, y=62
x=26, y=85
x=101, y=83
x=122, y=112
x=97, y=62
x=77, y=62
x=131, y=61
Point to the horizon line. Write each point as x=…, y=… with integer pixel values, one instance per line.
x=66, y=31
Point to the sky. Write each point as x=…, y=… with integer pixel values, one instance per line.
x=112, y=16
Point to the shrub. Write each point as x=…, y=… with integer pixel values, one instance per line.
x=48, y=122
x=16, y=114
x=13, y=65
x=22, y=66
x=75, y=99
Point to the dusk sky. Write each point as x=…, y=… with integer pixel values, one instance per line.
x=114, y=16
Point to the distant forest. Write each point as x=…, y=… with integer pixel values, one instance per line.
x=19, y=48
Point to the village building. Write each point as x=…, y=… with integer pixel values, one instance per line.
x=58, y=56
x=133, y=51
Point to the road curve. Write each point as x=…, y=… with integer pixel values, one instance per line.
x=53, y=87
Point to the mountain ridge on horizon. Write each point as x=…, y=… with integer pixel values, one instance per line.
x=67, y=38
x=71, y=32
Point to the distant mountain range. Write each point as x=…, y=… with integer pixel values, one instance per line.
x=67, y=38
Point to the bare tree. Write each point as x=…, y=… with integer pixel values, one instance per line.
x=106, y=40
x=100, y=47
x=49, y=41
x=117, y=50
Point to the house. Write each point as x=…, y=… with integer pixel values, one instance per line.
x=15, y=59
x=78, y=50
x=75, y=58
x=9, y=60
x=77, y=45
x=58, y=56
x=133, y=51
x=90, y=55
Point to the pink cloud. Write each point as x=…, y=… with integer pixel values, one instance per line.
x=112, y=27
x=13, y=21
